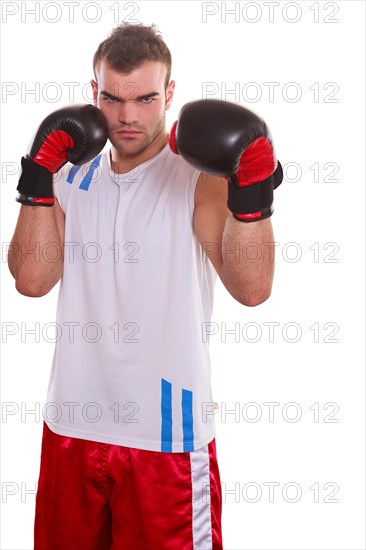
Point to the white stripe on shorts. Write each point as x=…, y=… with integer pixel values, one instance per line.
x=201, y=499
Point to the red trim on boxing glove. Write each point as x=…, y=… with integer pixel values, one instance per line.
x=257, y=163
x=34, y=201
x=248, y=217
x=172, y=139
x=43, y=201
x=53, y=152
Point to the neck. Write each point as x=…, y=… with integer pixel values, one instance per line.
x=121, y=164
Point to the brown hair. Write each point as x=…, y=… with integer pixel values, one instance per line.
x=130, y=45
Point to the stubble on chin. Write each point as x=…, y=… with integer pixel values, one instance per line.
x=127, y=151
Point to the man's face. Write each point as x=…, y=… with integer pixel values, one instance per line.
x=134, y=104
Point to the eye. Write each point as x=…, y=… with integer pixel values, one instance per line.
x=147, y=100
x=109, y=99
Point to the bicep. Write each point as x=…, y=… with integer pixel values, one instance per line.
x=210, y=215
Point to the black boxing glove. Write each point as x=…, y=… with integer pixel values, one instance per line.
x=73, y=134
x=226, y=139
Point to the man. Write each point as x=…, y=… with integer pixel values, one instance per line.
x=128, y=451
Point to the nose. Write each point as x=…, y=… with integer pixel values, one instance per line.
x=128, y=113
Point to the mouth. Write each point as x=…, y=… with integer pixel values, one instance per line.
x=128, y=133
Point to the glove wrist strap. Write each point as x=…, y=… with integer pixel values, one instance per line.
x=34, y=201
x=253, y=202
x=35, y=184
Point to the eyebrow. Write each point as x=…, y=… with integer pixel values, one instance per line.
x=144, y=96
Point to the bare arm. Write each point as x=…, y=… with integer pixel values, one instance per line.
x=35, y=257
x=250, y=268
x=242, y=253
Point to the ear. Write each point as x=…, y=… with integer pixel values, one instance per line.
x=94, y=86
x=169, y=94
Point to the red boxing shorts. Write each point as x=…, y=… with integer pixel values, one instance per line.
x=97, y=496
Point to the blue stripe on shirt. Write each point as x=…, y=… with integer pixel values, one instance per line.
x=72, y=173
x=85, y=182
x=166, y=416
x=187, y=414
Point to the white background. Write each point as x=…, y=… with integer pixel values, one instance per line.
x=314, y=377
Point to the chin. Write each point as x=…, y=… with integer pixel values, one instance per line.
x=130, y=149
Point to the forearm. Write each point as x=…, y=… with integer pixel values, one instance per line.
x=248, y=259
x=35, y=256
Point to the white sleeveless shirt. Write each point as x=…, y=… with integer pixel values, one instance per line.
x=130, y=366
